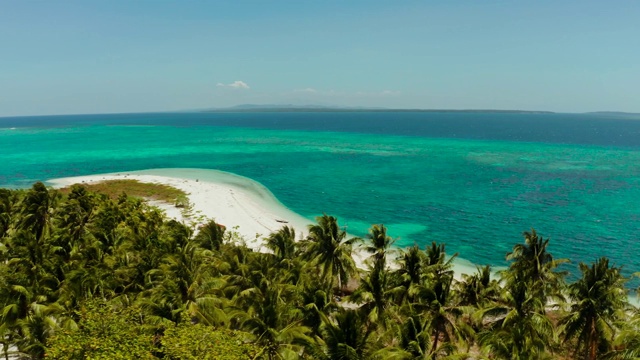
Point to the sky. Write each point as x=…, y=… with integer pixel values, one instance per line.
x=78, y=57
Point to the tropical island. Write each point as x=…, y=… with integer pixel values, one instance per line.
x=126, y=266
x=416, y=180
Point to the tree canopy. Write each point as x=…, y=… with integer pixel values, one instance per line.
x=85, y=275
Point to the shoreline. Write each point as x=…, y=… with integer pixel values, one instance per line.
x=245, y=212
x=241, y=204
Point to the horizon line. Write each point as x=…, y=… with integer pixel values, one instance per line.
x=321, y=108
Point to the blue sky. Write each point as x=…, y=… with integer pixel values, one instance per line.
x=131, y=56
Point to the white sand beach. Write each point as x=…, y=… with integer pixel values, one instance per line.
x=251, y=211
x=239, y=203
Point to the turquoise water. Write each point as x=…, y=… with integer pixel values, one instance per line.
x=476, y=191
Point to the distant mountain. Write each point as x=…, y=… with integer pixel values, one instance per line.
x=323, y=108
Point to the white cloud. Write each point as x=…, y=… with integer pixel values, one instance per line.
x=238, y=84
x=307, y=90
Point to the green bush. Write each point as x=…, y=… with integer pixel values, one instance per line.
x=102, y=334
x=197, y=342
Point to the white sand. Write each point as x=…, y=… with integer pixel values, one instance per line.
x=239, y=203
x=250, y=216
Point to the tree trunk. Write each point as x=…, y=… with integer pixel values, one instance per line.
x=435, y=342
x=593, y=343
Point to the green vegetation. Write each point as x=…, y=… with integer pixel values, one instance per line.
x=102, y=333
x=86, y=275
x=135, y=188
x=201, y=342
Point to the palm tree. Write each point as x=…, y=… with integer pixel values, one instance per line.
x=478, y=289
x=184, y=283
x=30, y=259
x=443, y=313
x=438, y=270
x=27, y=321
x=327, y=247
x=316, y=302
x=415, y=336
x=410, y=273
x=74, y=216
x=375, y=295
x=33, y=250
x=8, y=200
x=210, y=236
x=282, y=243
x=235, y=264
x=16, y=302
x=37, y=208
x=626, y=345
x=162, y=306
x=445, y=319
x=531, y=262
x=276, y=324
x=598, y=301
x=346, y=338
x=85, y=282
x=375, y=292
x=516, y=328
x=35, y=328
x=106, y=225
x=379, y=242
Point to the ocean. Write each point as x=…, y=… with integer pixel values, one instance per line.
x=474, y=180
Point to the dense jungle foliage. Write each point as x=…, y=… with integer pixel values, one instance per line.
x=85, y=276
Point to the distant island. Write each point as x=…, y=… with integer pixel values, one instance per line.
x=617, y=113
x=319, y=108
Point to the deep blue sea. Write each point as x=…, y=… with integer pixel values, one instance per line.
x=473, y=180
